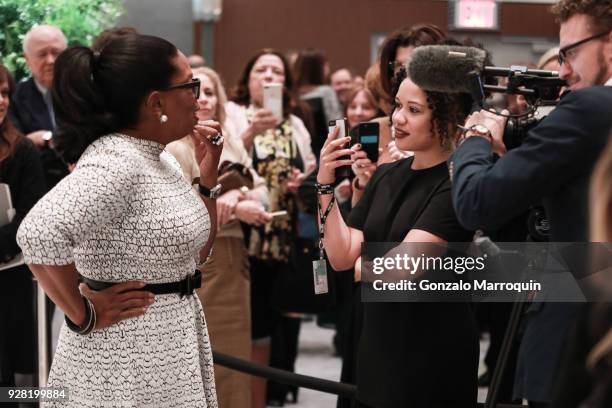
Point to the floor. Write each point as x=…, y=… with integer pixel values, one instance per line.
x=316, y=359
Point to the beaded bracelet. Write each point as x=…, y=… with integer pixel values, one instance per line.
x=324, y=188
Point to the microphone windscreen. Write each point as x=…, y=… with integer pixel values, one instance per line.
x=445, y=68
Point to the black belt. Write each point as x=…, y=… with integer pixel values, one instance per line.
x=184, y=287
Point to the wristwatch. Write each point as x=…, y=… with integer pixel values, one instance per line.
x=210, y=193
x=479, y=130
x=47, y=136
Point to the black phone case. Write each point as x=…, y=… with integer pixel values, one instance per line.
x=371, y=149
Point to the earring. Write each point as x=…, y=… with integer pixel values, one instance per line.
x=163, y=119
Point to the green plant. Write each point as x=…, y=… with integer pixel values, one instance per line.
x=80, y=20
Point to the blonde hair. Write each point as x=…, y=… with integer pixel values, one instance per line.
x=601, y=198
x=219, y=114
x=601, y=231
x=550, y=55
x=356, y=90
x=372, y=82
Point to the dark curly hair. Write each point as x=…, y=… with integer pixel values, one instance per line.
x=599, y=11
x=415, y=36
x=446, y=108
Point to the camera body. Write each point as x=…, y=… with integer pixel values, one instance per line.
x=517, y=127
x=540, y=88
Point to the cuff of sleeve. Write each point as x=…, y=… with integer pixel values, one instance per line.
x=474, y=141
x=47, y=253
x=46, y=260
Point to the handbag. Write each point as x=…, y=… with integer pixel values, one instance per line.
x=234, y=175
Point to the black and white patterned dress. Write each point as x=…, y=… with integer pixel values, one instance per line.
x=126, y=213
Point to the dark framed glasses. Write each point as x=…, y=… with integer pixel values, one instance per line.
x=194, y=85
x=393, y=67
x=562, y=57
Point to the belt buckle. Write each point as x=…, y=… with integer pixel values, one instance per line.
x=190, y=283
x=186, y=288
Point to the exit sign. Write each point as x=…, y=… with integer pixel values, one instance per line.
x=474, y=15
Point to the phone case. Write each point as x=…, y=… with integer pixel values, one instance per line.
x=273, y=99
x=369, y=138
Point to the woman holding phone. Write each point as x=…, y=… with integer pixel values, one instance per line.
x=282, y=155
x=409, y=354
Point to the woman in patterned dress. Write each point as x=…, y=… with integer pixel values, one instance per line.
x=126, y=216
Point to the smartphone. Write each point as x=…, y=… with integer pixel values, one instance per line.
x=340, y=123
x=344, y=171
x=369, y=138
x=281, y=213
x=273, y=99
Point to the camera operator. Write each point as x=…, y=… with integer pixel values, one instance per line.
x=553, y=164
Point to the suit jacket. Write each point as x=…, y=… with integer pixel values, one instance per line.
x=29, y=113
x=554, y=165
x=23, y=173
x=28, y=109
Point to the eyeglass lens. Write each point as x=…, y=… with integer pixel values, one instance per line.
x=562, y=57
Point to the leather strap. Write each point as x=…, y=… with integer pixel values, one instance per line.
x=184, y=287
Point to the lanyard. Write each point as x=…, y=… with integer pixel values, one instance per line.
x=322, y=218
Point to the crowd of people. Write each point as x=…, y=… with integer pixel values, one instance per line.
x=162, y=215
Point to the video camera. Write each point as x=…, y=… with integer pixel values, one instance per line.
x=540, y=88
x=452, y=69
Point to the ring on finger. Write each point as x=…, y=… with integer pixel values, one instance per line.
x=217, y=139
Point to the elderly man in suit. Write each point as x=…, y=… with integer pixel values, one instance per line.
x=553, y=165
x=31, y=108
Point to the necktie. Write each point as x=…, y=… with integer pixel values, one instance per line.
x=49, y=103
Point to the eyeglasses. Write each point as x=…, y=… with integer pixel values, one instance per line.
x=562, y=57
x=194, y=85
x=393, y=67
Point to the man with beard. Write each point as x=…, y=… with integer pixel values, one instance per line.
x=553, y=165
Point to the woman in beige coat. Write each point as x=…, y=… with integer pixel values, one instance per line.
x=225, y=291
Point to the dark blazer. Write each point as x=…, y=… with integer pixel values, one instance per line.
x=29, y=113
x=28, y=110
x=553, y=165
x=23, y=173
